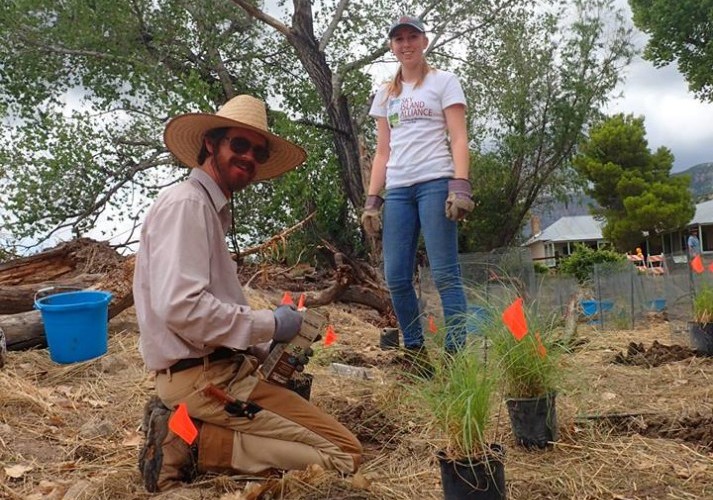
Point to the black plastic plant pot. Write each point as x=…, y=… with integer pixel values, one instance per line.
x=389, y=339
x=481, y=478
x=701, y=335
x=301, y=384
x=533, y=420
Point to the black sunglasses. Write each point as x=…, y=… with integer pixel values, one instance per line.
x=240, y=146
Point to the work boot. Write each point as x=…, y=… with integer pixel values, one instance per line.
x=418, y=362
x=165, y=460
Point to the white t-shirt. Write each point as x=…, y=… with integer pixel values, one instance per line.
x=419, y=145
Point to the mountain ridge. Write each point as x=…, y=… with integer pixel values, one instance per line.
x=701, y=188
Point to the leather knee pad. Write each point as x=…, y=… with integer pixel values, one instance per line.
x=215, y=448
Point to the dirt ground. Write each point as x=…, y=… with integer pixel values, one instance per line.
x=635, y=421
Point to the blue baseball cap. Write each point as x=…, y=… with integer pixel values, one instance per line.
x=402, y=21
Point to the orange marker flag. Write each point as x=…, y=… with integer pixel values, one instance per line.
x=541, y=350
x=432, y=324
x=710, y=267
x=514, y=319
x=697, y=264
x=182, y=425
x=287, y=299
x=301, y=302
x=330, y=336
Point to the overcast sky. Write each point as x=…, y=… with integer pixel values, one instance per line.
x=674, y=118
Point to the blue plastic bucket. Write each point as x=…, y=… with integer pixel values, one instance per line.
x=657, y=305
x=76, y=324
x=475, y=320
x=592, y=307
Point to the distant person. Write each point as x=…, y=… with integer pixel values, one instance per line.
x=197, y=331
x=422, y=161
x=693, y=244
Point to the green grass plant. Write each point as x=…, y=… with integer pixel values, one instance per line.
x=526, y=370
x=703, y=304
x=458, y=401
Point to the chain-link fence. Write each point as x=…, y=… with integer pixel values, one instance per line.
x=617, y=296
x=495, y=278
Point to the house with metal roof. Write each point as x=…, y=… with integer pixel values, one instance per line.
x=703, y=222
x=559, y=239
x=674, y=243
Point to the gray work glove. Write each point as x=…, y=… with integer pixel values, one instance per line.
x=287, y=323
x=371, y=217
x=460, y=199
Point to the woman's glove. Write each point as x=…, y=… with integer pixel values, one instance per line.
x=460, y=199
x=287, y=323
x=371, y=217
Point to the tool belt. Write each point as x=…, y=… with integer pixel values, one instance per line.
x=184, y=364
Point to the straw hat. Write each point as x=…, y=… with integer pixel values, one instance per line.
x=184, y=135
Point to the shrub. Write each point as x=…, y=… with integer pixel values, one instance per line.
x=581, y=262
x=540, y=268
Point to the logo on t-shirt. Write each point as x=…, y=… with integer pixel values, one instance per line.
x=393, y=112
x=406, y=110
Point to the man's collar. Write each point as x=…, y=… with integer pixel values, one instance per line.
x=216, y=195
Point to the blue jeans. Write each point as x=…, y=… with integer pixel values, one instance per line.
x=407, y=212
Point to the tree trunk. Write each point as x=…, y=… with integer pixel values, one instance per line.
x=346, y=142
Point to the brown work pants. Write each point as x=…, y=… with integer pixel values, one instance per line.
x=289, y=433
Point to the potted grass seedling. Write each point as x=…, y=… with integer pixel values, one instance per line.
x=701, y=328
x=458, y=401
x=529, y=370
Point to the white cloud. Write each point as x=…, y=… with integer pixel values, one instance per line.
x=674, y=118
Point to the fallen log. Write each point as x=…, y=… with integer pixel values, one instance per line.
x=23, y=330
x=21, y=298
x=67, y=260
x=347, y=287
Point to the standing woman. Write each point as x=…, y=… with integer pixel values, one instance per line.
x=419, y=114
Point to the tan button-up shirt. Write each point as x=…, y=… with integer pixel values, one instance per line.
x=187, y=294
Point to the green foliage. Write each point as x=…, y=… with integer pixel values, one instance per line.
x=458, y=401
x=679, y=32
x=541, y=268
x=631, y=184
x=534, y=83
x=703, y=304
x=529, y=367
x=581, y=262
x=88, y=87
x=267, y=208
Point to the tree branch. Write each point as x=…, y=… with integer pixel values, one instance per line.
x=262, y=16
x=327, y=35
x=322, y=126
x=278, y=237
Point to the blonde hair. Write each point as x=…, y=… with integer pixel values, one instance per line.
x=395, y=86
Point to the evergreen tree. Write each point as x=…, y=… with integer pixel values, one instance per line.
x=633, y=187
